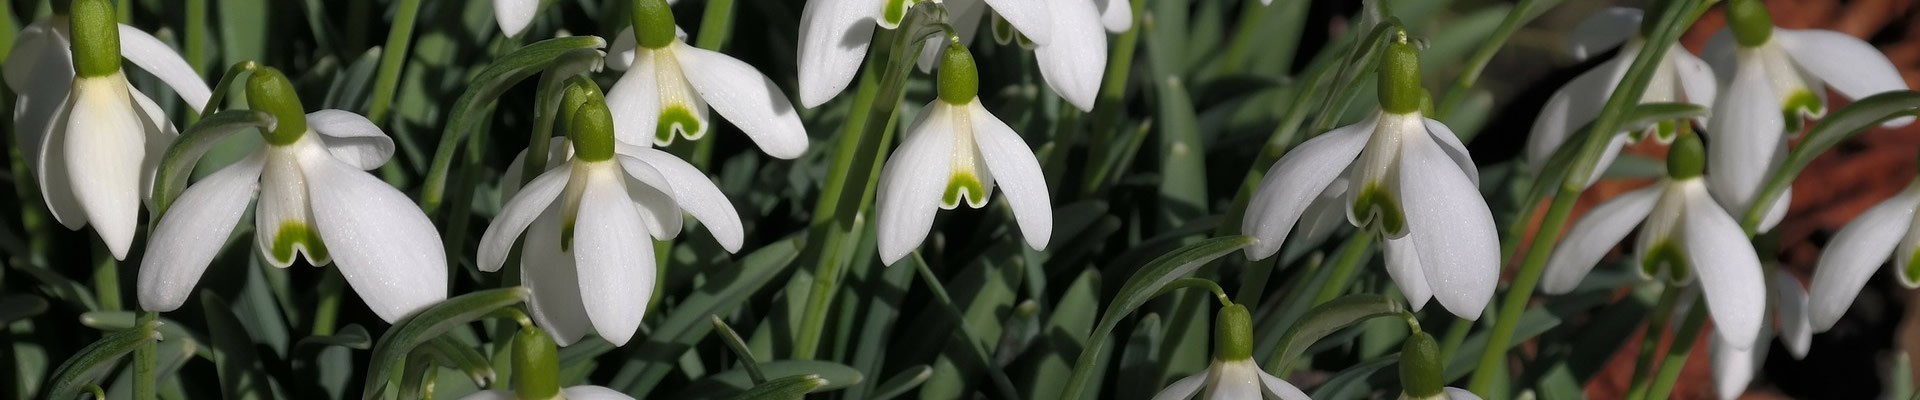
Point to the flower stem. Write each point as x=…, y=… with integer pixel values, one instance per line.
x=329, y=307
x=106, y=278
x=1650, y=342
x=1677, y=354
x=1352, y=254
x=146, y=362
x=197, y=35
x=1522, y=12
x=393, y=56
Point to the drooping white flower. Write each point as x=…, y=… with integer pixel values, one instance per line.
x=1680, y=77
x=1073, y=62
x=669, y=85
x=1233, y=375
x=515, y=15
x=1734, y=366
x=91, y=139
x=590, y=221
x=315, y=200
x=536, y=373
x=1774, y=78
x=954, y=153
x=1684, y=234
x=1409, y=178
x=834, y=35
x=1882, y=232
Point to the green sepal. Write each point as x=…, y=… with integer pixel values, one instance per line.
x=269, y=90
x=959, y=78
x=1752, y=25
x=592, y=131
x=1400, y=77
x=96, y=38
x=653, y=25
x=1233, y=334
x=293, y=233
x=1421, y=372
x=1687, y=158
x=536, y=365
x=1374, y=198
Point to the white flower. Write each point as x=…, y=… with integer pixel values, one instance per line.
x=315, y=200
x=1882, y=232
x=515, y=15
x=1232, y=380
x=834, y=35
x=1073, y=62
x=1680, y=77
x=590, y=222
x=1775, y=77
x=1416, y=184
x=1733, y=366
x=92, y=142
x=582, y=392
x=669, y=85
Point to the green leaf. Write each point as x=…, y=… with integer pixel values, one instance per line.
x=351, y=336
x=726, y=289
x=902, y=382
x=736, y=381
x=450, y=353
x=483, y=90
x=1533, y=322
x=170, y=355
x=1064, y=338
x=1352, y=382
x=1836, y=127
x=428, y=324
x=241, y=375
x=177, y=164
x=793, y=387
x=739, y=348
x=14, y=307
x=1328, y=318
x=1140, y=288
x=93, y=362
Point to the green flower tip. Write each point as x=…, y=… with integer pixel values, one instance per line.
x=1686, y=159
x=592, y=131
x=1751, y=23
x=96, y=38
x=535, y=367
x=268, y=90
x=1400, y=77
x=1233, y=334
x=1420, y=367
x=959, y=78
x=579, y=91
x=653, y=23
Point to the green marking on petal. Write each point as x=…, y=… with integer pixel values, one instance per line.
x=896, y=11
x=1798, y=104
x=1002, y=31
x=1667, y=256
x=964, y=185
x=1377, y=207
x=1666, y=131
x=676, y=118
x=566, y=236
x=1910, y=276
x=295, y=236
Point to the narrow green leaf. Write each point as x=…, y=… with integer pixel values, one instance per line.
x=177, y=164
x=1064, y=338
x=1352, y=382
x=739, y=348
x=450, y=353
x=485, y=88
x=1836, y=127
x=241, y=375
x=735, y=381
x=1328, y=318
x=16, y=307
x=1140, y=288
x=902, y=382
x=792, y=387
x=725, y=289
x=428, y=324
x=93, y=362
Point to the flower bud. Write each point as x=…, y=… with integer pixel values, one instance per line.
x=268, y=90
x=96, y=38
x=1400, y=77
x=959, y=78
x=579, y=91
x=653, y=25
x=1233, y=334
x=1686, y=159
x=1752, y=25
x=592, y=131
x=535, y=367
x=1420, y=367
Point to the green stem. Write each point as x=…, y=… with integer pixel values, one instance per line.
x=197, y=35
x=106, y=278
x=225, y=85
x=1352, y=255
x=146, y=363
x=329, y=307
x=1523, y=11
x=1493, y=357
x=393, y=56
x=1456, y=334
x=1676, y=357
x=1650, y=342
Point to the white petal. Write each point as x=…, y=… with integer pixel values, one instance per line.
x=912, y=181
x=163, y=62
x=105, y=147
x=1607, y=155
x=517, y=214
x=49, y=162
x=283, y=219
x=756, y=106
x=615, y=257
x=1033, y=19
x=1455, y=150
x=352, y=138
x=1747, y=132
x=1451, y=227
x=1017, y=172
x=1183, y=389
x=554, y=279
x=1233, y=380
x=514, y=15
x=1454, y=393
x=1116, y=15
x=620, y=52
x=1790, y=305
x=1720, y=54
x=657, y=211
x=1778, y=211
x=1727, y=269
x=1697, y=80
x=1280, y=388
x=1733, y=366
x=634, y=102
x=41, y=72
x=380, y=240
x=491, y=395
x=833, y=40
x=1855, y=253
x=160, y=135
x=40, y=51
x=189, y=236
x=1594, y=236
x=692, y=191
x=1073, y=59
x=1572, y=107
x=590, y=392
x=1604, y=30
x=559, y=150
x=1294, y=181
x=1847, y=64
x=1403, y=265
x=1324, y=215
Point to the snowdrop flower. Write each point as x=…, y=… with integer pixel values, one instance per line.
x=536, y=370
x=1073, y=62
x=1412, y=181
x=1882, y=232
x=1233, y=374
x=315, y=201
x=590, y=223
x=1775, y=77
x=1684, y=234
x=1422, y=374
x=1679, y=77
x=1733, y=366
x=91, y=139
x=954, y=153
x=669, y=85
x=834, y=34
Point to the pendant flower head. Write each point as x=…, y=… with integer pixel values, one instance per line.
x=1073, y=62
x=955, y=153
x=536, y=373
x=669, y=85
x=1685, y=235
x=315, y=201
x=1734, y=366
x=1412, y=181
x=834, y=35
x=1422, y=374
x=1882, y=232
x=1233, y=375
x=1680, y=77
x=1776, y=77
x=91, y=139
x=590, y=223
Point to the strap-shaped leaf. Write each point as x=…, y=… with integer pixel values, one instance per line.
x=351, y=336
x=16, y=307
x=687, y=323
x=747, y=361
x=792, y=387
x=240, y=372
x=834, y=376
x=1837, y=126
x=177, y=164
x=428, y=324
x=1328, y=318
x=902, y=382
x=469, y=110
x=93, y=362
x=450, y=353
x=1140, y=288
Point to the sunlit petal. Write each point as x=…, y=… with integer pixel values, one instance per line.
x=1294, y=181
x=380, y=240
x=1855, y=253
x=188, y=238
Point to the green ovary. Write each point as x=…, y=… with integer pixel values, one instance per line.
x=295, y=233
x=1374, y=201
x=676, y=117
x=965, y=186
x=1666, y=254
